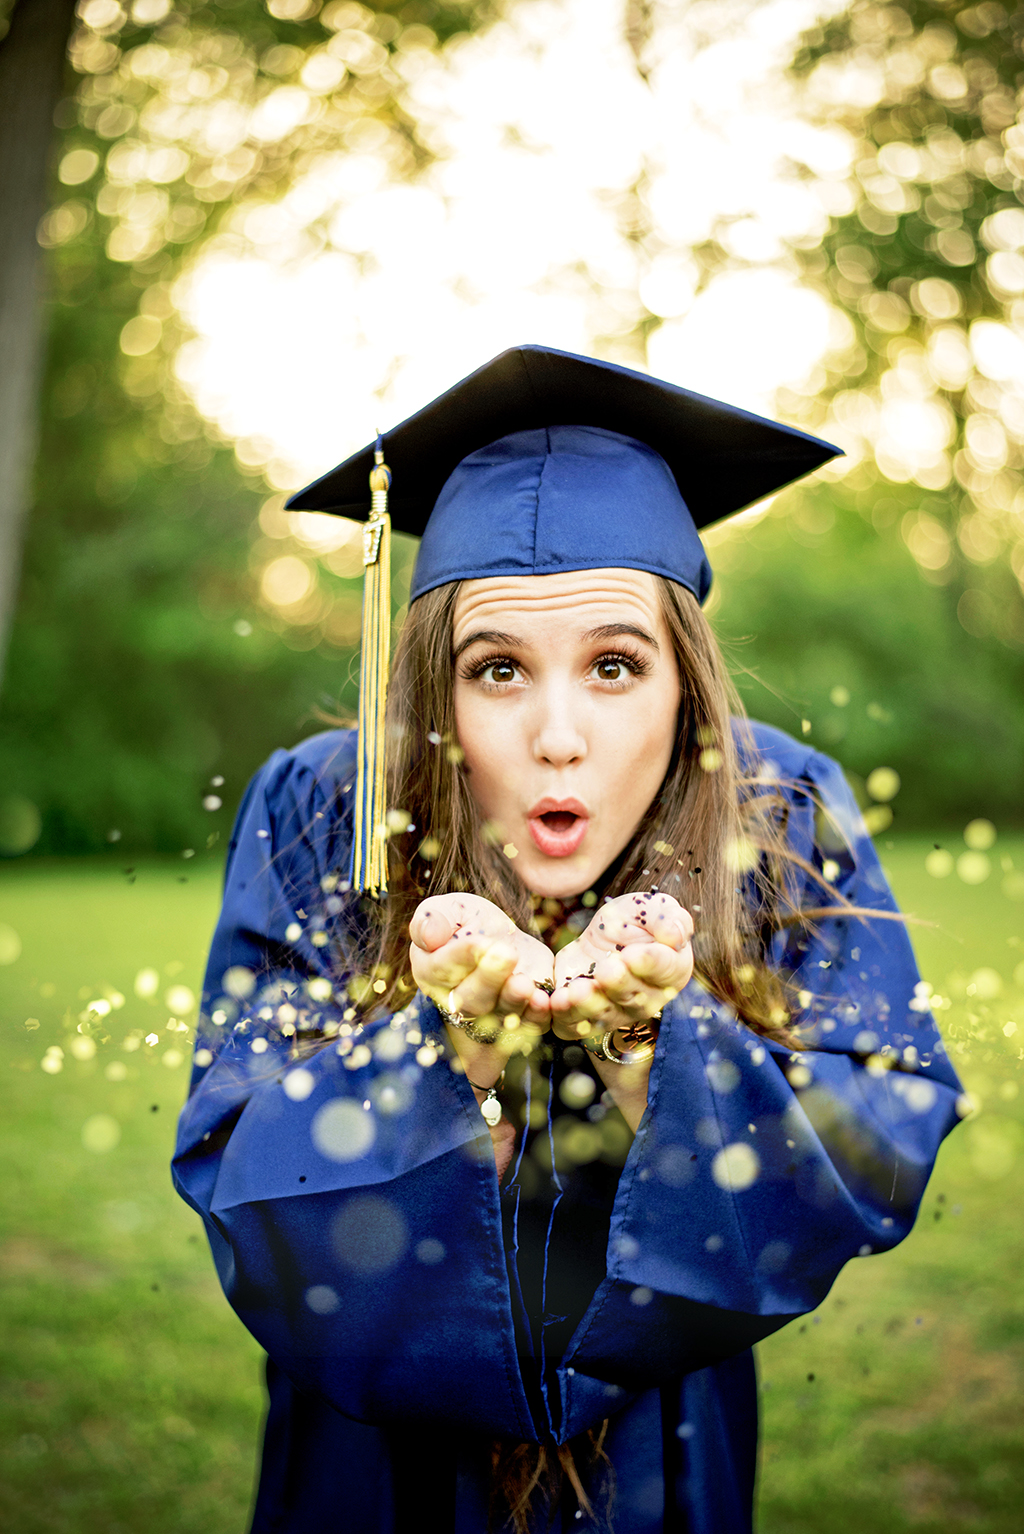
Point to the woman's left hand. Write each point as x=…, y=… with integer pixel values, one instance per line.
x=628, y=964
x=633, y=958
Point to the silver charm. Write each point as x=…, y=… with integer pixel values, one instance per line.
x=491, y=1108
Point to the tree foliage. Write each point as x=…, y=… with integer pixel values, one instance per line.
x=174, y=626
x=924, y=256
x=145, y=660
x=896, y=586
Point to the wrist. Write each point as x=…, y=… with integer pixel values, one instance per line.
x=484, y=1030
x=627, y=1085
x=482, y=1064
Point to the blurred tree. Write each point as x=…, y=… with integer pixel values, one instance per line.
x=173, y=626
x=911, y=604
x=32, y=48
x=832, y=634
x=142, y=616
x=923, y=254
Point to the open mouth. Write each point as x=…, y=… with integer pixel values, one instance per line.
x=558, y=826
x=559, y=821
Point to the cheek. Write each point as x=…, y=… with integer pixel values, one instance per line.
x=474, y=737
x=639, y=751
x=482, y=737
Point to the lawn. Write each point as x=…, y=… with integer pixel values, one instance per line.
x=131, y=1396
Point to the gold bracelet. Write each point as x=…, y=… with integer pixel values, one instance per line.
x=640, y=1041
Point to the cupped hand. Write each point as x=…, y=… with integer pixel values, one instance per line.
x=628, y=964
x=469, y=957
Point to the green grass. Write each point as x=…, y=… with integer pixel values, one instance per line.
x=130, y=1395
x=914, y=1417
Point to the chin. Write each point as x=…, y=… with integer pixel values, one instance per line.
x=557, y=878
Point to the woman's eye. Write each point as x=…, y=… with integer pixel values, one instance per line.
x=611, y=670
x=499, y=671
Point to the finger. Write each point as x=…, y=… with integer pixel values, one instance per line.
x=613, y=984
x=579, y=1000
x=570, y=961
x=522, y=1022
x=434, y=981
x=575, y=1032
x=655, y=964
x=649, y=918
x=477, y=995
x=575, y=1029
x=449, y=965
x=537, y=1017
x=669, y=931
x=614, y=931
x=579, y=1025
x=523, y=997
x=431, y=927
x=669, y=922
x=634, y=997
x=621, y=929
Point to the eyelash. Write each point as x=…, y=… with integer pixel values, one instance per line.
x=633, y=660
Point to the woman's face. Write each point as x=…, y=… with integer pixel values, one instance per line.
x=566, y=699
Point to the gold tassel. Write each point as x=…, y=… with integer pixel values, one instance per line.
x=370, y=843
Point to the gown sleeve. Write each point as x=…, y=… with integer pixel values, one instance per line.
x=273, y=974
x=762, y=1170
x=349, y=1191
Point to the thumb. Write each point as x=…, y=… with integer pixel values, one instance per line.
x=430, y=928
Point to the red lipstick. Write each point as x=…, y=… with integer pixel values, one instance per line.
x=558, y=826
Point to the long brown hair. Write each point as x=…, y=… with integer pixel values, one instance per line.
x=712, y=822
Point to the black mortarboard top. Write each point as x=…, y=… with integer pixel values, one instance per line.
x=722, y=458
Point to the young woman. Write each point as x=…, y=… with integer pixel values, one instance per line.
x=508, y=1170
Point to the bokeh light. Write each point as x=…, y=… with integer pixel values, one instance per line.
x=373, y=293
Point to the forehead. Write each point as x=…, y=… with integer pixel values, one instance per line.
x=585, y=597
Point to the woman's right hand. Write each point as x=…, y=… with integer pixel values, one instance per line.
x=469, y=957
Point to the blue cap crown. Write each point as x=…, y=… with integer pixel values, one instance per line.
x=561, y=498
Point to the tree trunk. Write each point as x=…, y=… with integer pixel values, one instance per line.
x=32, y=59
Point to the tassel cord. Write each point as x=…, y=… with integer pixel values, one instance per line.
x=369, y=851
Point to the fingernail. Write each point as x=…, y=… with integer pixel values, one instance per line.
x=430, y=926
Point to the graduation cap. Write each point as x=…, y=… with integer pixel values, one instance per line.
x=539, y=462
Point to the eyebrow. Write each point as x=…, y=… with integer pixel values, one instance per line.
x=614, y=630
x=488, y=636
x=605, y=631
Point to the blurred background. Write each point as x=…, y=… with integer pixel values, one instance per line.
x=239, y=237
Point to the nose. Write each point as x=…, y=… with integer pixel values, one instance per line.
x=558, y=744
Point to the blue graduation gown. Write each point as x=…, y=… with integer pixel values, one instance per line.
x=359, y=1231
